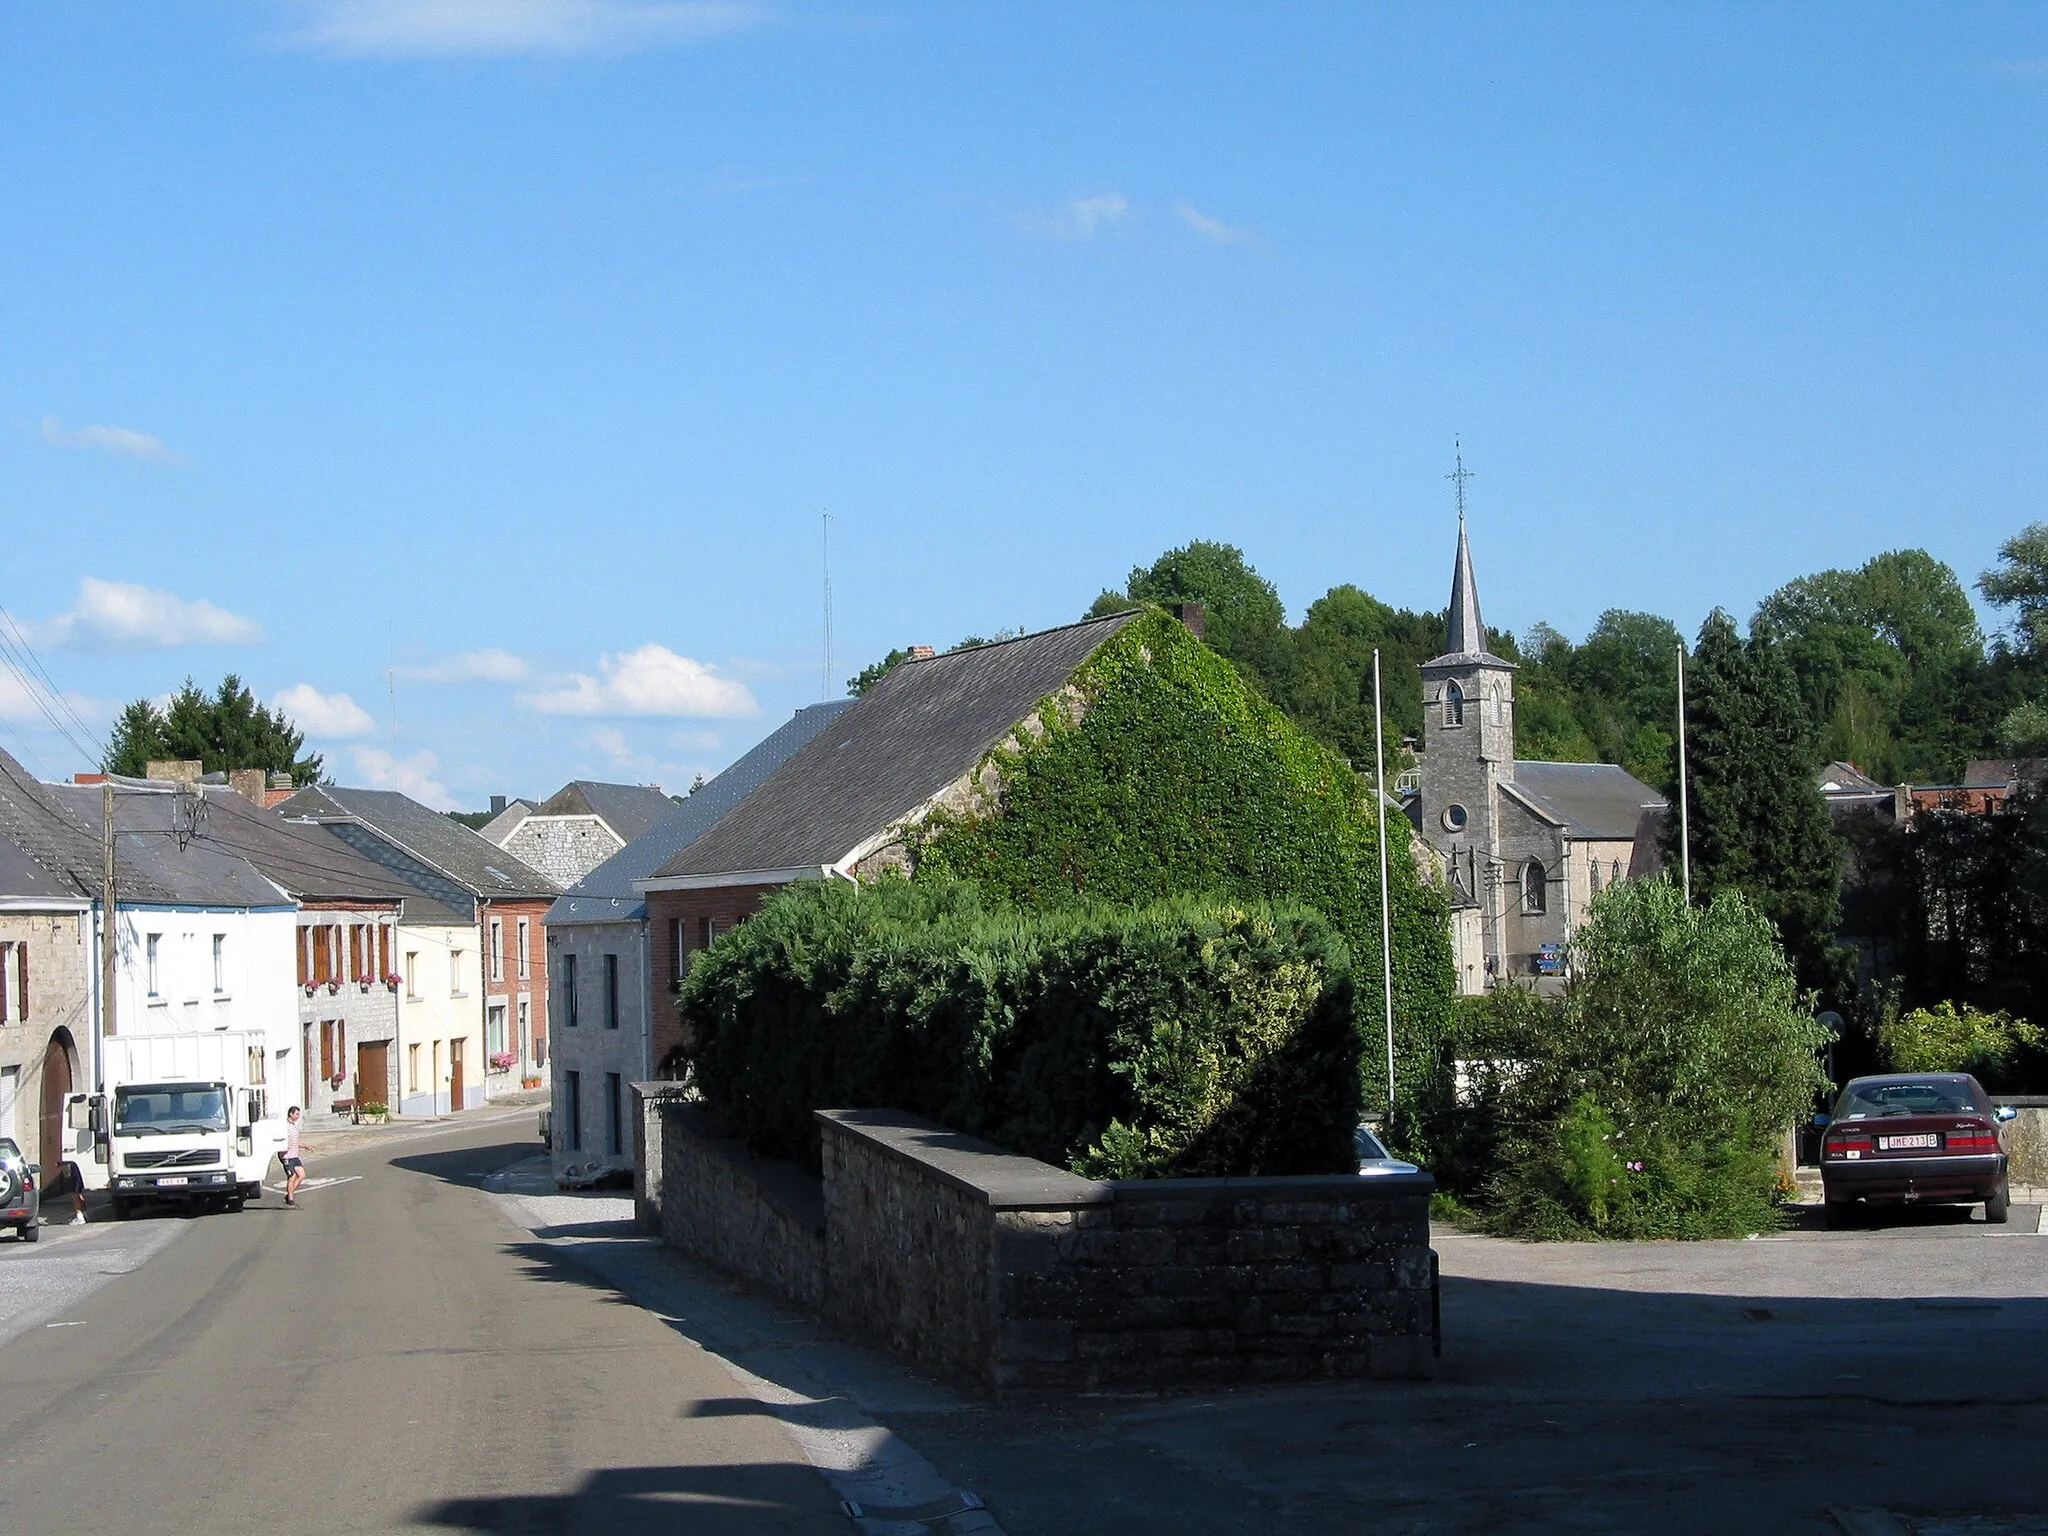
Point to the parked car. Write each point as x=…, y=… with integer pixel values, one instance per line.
x=1374, y=1160
x=20, y=1199
x=1915, y=1138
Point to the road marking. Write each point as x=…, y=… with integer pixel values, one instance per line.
x=79, y=1324
x=317, y=1184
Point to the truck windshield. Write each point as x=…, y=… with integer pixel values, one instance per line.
x=169, y=1111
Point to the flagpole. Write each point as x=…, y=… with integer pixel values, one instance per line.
x=1684, y=812
x=1379, y=787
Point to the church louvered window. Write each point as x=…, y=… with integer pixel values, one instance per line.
x=1533, y=892
x=1454, y=704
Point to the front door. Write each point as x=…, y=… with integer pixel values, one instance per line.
x=56, y=1096
x=454, y=1075
x=373, y=1073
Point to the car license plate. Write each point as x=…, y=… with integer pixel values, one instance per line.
x=1903, y=1143
x=176, y=1178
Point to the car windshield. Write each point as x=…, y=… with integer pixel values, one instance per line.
x=169, y=1111
x=1866, y=1101
x=1369, y=1147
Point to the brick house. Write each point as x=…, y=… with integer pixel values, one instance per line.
x=506, y=902
x=837, y=810
x=607, y=992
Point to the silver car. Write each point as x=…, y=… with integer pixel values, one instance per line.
x=20, y=1198
x=1374, y=1160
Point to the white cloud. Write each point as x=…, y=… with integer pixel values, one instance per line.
x=486, y=666
x=327, y=716
x=123, y=442
x=695, y=741
x=410, y=29
x=1212, y=229
x=652, y=680
x=408, y=775
x=1076, y=219
x=17, y=703
x=126, y=616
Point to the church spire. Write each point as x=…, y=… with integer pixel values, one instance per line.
x=1465, y=633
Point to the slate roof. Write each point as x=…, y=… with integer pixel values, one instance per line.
x=606, y=894
x=474, y=863
x=628, y=809
x=299, y=856
x=916, y=731
x=24, y=882
x=1997, y=772
x=506, y=822
x=46, y=834
x=162, y=860
x=1589, y=800
x=1847, y=778
x=1464, y=630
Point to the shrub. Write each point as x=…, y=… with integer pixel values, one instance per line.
x=1648, y=1101
x=1947, y=1039
x=1189, y=1036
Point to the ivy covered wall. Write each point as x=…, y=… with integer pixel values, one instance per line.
x=1160, y=771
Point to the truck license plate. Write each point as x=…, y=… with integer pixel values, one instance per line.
x=176, y=1178
x=1900, y=1143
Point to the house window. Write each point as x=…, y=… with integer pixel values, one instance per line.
x=150, y=945
x=707, y=930
x=412, y=976
x=494, y=1030
x=455, y=973
x=1594, y=870
x=525, y=970
x=677, y=933
x=412, y=1068
x=1614, y=872
x=611, y=991
x=569, y=990
x=1534, y=895
x=220, y=962
x=614, y=1132
x=526, y=1026
x=497, y=949
x=572, y=1122
x=1454, y=704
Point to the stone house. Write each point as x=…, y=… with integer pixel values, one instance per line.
x=606, y=994
x=1523, y=847
x=504, y=903
x=579, y=826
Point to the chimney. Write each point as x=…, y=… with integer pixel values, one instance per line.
x=89, y=778
x=184, y=771
x=280, y=780
x=1191, y=614
x=497, y=805
x=921, y=653
x=248, y=783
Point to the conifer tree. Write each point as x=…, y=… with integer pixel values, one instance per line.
x=1758, y=821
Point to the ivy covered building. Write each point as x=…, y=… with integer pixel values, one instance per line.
x=1118, y=759
x=1525, y=847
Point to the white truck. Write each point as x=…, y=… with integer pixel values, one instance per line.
x=179, y=1119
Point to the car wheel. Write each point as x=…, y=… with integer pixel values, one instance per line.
x=31, y=1232
x=1839, y=1214
x=1998, y=1209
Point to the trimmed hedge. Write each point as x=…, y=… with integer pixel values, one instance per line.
x=1192, y=1036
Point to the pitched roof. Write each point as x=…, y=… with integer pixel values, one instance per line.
x=506, y=822
x=46, y=833
x=1997, y=772
x=628, y=809
x=1847, y=778
x=313, y=866
x=162, y=856
x=606, y=894
x=472, y=861
x=923, y=725
x=1589, y=800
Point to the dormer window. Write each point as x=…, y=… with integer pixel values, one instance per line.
x=1454, y=704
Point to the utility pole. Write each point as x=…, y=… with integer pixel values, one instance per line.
x=107, y=1021
x=1379, y=797
x=1684, y=812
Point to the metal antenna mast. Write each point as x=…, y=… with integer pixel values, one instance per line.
x=825, y=676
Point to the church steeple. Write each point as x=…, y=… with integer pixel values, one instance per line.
x=1465, y=634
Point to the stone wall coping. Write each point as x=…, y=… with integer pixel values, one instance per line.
x=2021, y=1100
x=1003, y=1180
x=663, y=1089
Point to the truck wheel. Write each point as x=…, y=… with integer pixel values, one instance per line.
x=120, y=1206
x=234, y=1204
x=1998, y=1209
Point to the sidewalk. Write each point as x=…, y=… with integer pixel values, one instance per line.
x=334, y=1134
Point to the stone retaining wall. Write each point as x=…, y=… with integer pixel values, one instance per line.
x=1004, y=1273
x=2026, y=1141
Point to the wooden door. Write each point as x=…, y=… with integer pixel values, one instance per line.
x=56, y=1096
x=373, y=1073
x=454, y=1075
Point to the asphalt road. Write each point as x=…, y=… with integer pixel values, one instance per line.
x=393, y=1355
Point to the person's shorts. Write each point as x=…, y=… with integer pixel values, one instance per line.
x=293, y=1164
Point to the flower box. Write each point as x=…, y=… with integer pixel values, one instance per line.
x=504, y=1061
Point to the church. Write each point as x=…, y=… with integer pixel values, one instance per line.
x=1523, y=848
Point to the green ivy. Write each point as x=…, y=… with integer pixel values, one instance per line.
x=1160, y=771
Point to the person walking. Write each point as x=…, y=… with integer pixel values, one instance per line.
x=293, y=1162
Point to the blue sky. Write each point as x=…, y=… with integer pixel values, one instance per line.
x=472, y=376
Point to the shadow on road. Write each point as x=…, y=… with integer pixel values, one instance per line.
x=644, y=1501
x=465, y=1165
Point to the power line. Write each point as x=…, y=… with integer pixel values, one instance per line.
x=44, y=672
x=37, y=695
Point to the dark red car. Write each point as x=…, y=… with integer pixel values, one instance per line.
x=1915, y=1138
